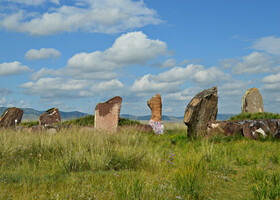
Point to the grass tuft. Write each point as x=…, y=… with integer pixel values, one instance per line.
x=250, y=116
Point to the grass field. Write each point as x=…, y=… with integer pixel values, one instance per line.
x=81, y=164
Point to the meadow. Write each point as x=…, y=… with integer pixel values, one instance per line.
x=78, y=163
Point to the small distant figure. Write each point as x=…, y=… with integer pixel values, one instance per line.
x=155, y=122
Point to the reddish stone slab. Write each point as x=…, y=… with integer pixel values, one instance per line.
x=50, y=117
x=107, y=114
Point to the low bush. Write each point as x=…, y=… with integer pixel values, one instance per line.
x=261, y=115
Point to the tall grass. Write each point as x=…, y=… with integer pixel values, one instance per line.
x=78, y=163
x=83, y=121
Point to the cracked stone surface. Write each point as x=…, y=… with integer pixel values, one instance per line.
x=201, y=109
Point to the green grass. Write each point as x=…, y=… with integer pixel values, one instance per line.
x=83, y=121
x=80, y=163
x=262, y=115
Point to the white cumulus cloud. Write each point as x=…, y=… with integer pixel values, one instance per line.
x=55, y=87
x=12, y=68
x=33, y=2
x=149, y=84
x=270, y=44
x=107, y=86
x=253, y=64
x=43, y=53
x=128, y=49
x=184, y=95
x=104, y=16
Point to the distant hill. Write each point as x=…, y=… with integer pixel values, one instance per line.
x=30, y=114
x=147, y=117
x=171, y=118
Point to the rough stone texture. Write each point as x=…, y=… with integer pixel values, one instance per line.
x=155, y=105
x=201, y=109
x=252, y=101
x=248, y=128
x=107, y=114
x=50, y=117
x=11, y=117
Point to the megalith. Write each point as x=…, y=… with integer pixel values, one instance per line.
x=252, y=101
x=156, y=109
x=50, y=117
x=107, y=114
x=201, y=109
x=11, y=117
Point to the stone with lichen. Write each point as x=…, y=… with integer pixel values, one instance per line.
x=252, y=101
x=107, y=114
x=201, y=109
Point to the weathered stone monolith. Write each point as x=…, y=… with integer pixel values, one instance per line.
x=252, y=101
x=11, y=117
x=156, y=108
x=107, y=114
x=50, y=117
x=201, y=109
x=155, y=105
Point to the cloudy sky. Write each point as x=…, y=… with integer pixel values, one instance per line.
x=74, y=54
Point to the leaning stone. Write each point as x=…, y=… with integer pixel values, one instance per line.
x=201, y=109
x=252, y=101
x=50, y=117
x=11, y=117
x=107, y=114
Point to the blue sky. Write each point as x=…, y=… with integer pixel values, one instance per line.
x=74, y=54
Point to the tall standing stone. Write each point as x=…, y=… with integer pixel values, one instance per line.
x=201, y=109
x=156, y=108
x=252, y=101
x=107, y=114
x=50, y=117
x=11, y=117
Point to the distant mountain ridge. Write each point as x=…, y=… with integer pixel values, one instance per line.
x=30, y=114
x=220, y=117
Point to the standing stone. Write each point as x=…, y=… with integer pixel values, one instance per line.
x=50, y=117
x=252, y=101
x=156, y=108
x=201, y=109
x=155, y=105
x=11, y=117
x=107, y=114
